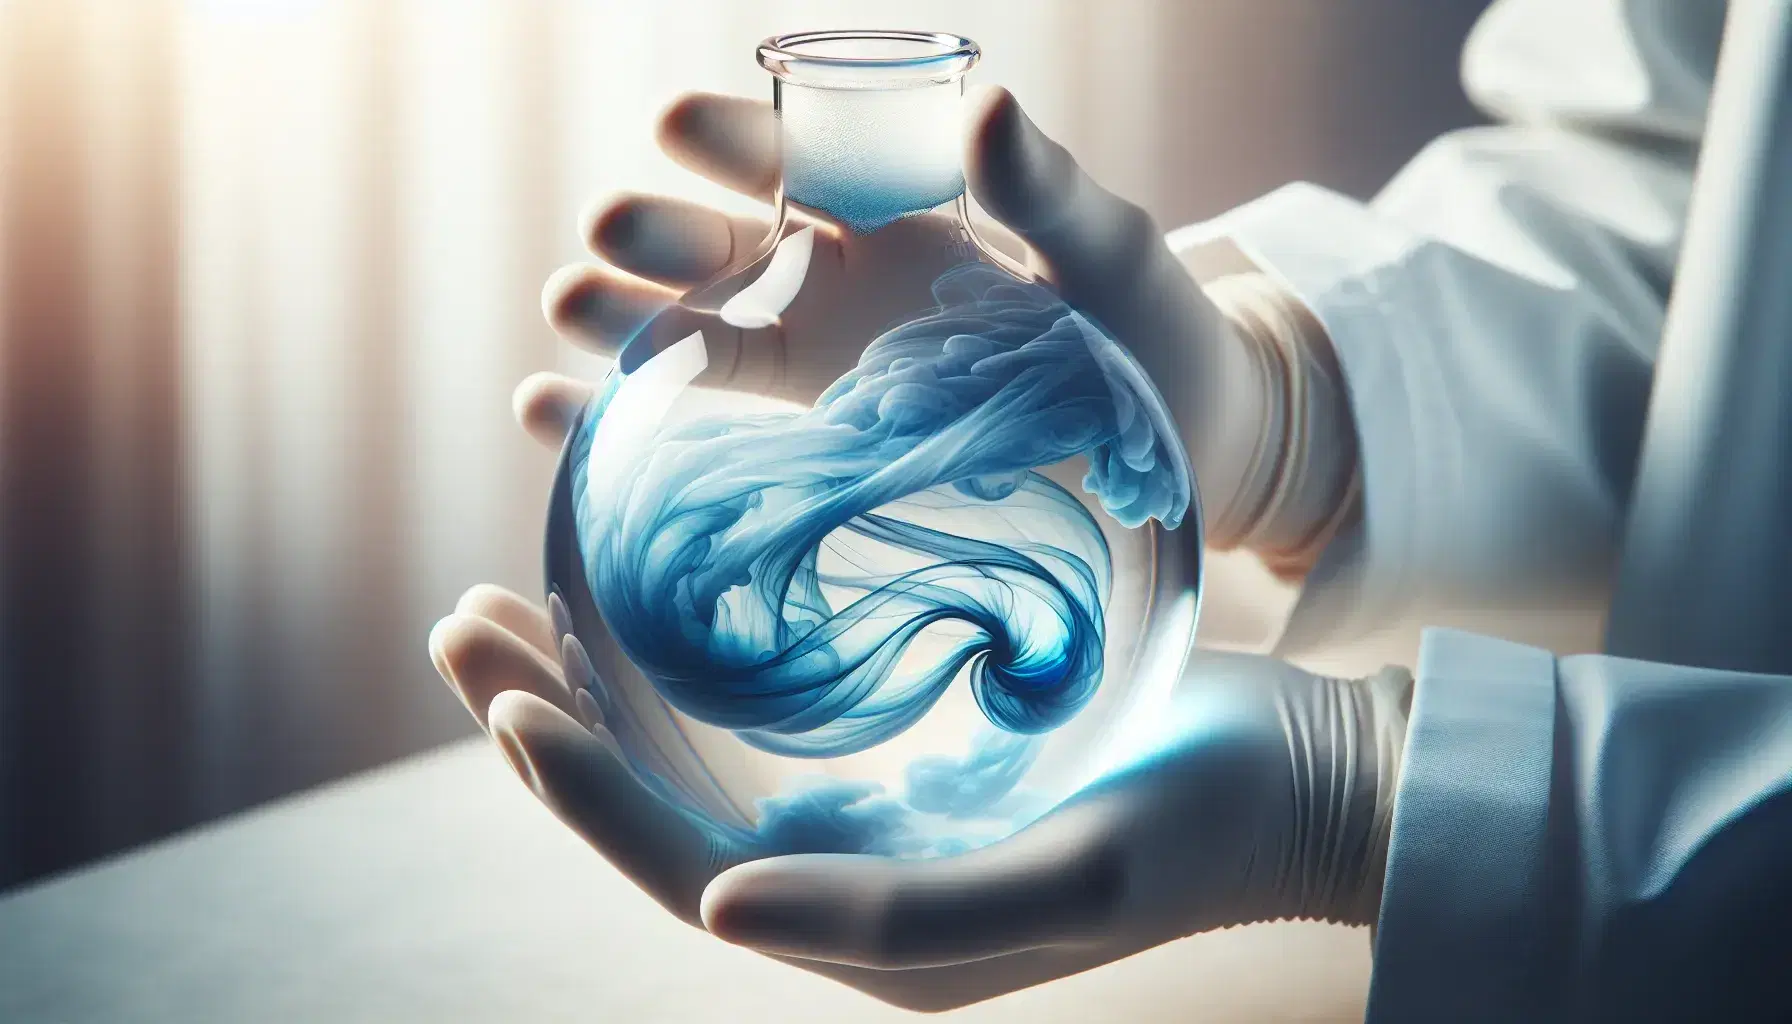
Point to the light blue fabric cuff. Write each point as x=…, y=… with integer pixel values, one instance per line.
x=1460, y=913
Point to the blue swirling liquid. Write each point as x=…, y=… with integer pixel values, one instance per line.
x=768, y=573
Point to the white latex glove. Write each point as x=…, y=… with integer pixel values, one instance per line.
x=1233, y=390
x=1267, y=793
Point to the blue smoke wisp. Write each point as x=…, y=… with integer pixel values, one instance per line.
x=769, y=573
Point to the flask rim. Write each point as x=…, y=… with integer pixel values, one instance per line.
x=868, y=58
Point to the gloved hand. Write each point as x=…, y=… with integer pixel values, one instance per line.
x=1239, y=396
x=1266, y=793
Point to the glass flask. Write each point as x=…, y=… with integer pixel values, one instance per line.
x=920, y=606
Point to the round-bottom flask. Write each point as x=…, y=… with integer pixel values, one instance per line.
x=917, y=599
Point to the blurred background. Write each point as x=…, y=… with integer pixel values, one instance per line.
x=269, y=269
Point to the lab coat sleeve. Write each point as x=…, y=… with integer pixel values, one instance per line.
x=1587, y=838
x=1496, y=310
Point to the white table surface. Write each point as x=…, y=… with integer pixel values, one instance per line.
x=437, y=890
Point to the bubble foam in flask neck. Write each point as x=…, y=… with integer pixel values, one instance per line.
x=870, y=157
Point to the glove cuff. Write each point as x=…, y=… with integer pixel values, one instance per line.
x=1347, y=740
x=1302, y=485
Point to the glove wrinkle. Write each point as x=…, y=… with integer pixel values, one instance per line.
x=1344, y=739
x=1343, y=772
x=1289, y=865
x=1330, y=838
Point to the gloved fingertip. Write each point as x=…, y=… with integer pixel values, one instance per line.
x=714, y=910
x=590, y=715
x=567, y=295
x=511, y=745
x=737, y=911
x=612, y=226
x=558, y=615
x=438, y=645
x=612, y=746
x=546, y=405
x=531, y=718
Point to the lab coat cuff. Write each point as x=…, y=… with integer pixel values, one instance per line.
x=1461, y=908
x=1333, y=254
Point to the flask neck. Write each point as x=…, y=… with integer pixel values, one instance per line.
x=870, y=121
x=870, y=157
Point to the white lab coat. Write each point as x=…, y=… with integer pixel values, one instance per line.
x=1496, y=310
x=1577, y=837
